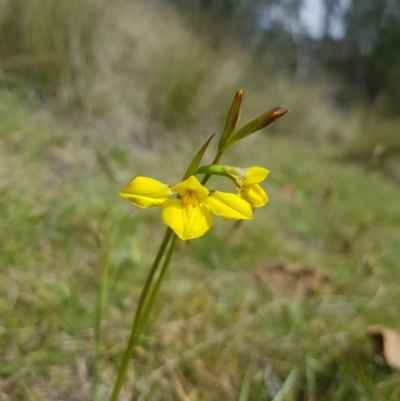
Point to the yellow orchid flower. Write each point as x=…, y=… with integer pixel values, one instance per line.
x=189, y=216
x=247, y=181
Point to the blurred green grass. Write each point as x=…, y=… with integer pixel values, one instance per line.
x=62, y=219
x=104, y=61
x=226, y=325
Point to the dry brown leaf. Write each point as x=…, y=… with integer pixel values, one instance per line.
x=387, y=344
x=288, y=193
x=295, y=280
x=63, y=155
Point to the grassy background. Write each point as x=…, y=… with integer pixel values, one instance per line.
x=273, y=310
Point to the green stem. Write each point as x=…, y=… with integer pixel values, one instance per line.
x=215, y=161
x=132, y=339
x=154, y=292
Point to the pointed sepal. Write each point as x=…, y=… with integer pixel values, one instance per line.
x=194, y=165
x=232, y=119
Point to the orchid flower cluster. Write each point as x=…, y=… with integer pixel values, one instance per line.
x=189, y=215
x=187, y=207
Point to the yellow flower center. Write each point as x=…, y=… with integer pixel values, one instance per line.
x=191, y=199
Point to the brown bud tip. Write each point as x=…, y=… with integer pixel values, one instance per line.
x=272, y=115
x=239, y=96
x=279, y=113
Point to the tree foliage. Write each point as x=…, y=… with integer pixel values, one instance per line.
x=358, y=39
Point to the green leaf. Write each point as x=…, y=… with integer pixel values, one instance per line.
x=245, y=388
x=288, y=386
x=232, y=119
x=194, y=165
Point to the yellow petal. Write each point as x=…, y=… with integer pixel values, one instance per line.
x=254, y=175
x=146, y=192
x=229, y=206
x=193, y=184
x=255, y=195
x=187, y=223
